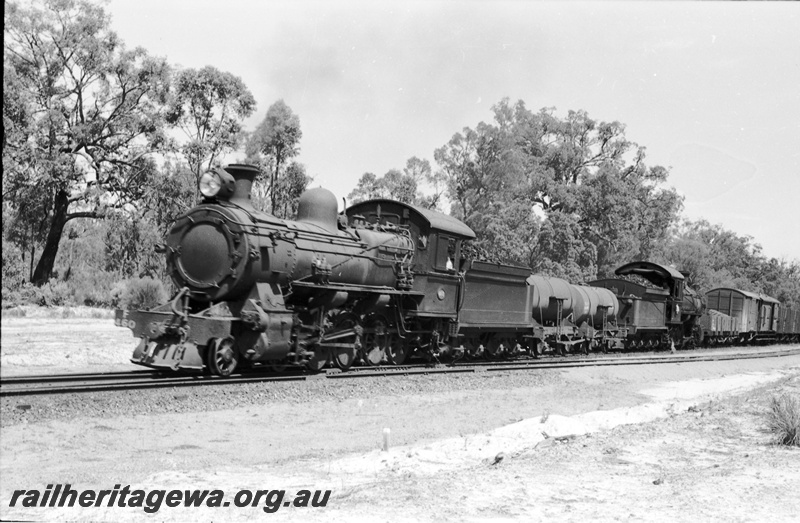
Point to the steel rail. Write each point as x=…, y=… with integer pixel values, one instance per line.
x=50, y=378
x=136, y=380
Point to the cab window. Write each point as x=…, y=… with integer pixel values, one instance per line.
x=445, y=253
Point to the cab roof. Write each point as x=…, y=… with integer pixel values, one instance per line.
x=433, y=219
x=653, y=272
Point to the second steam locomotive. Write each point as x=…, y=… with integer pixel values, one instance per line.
x=386, y=280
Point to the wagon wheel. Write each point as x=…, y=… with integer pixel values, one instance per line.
x=344, y=354
x=377, y=340
x=319, y=360
x=473, y=349
x=276, y=367
x=507, y=345
x=398, y=351
x=221, y=356
x=496, y=348
x=586, y=346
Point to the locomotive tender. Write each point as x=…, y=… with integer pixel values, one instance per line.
x=663, y=313
x=378, y=283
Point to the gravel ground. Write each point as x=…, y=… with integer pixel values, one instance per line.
x=44, y=408
x=296, y=434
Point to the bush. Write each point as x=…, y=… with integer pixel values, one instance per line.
x=117, y=291
x=51, y=294
x=12, y=298
x=143, y=293
x=783, y=418
x=94, y=288
x=14, y=312
x=13, y=266
x=57, y=293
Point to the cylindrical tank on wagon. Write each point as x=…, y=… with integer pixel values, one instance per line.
x=547, y=294
x=599, y=300
x=579, y=303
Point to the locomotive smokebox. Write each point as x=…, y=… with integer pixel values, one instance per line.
x=243, y=175
x=319, y=207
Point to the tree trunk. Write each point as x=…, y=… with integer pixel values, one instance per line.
x=274, y=182
x=45, y=266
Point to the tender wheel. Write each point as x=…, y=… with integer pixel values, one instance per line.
x=376, y=343
x=222, y=357
x=398, y=351
x=320, y=359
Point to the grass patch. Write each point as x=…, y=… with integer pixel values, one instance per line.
x=14, y=312
x=783, y=419
x=67, y=312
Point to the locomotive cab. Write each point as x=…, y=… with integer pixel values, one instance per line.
x=683, y=301
x=665, y=306
x=438, y=245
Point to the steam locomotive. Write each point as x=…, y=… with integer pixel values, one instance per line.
x=377, y=284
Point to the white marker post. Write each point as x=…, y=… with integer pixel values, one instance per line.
x=386, y=432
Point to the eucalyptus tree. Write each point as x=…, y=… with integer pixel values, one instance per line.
x=88, y=112
x=274, y=142
x=402, y=185
x=368, y=187
x=713, y=256
x=488, y=190
x=580, y=182
x=209, y=105
x=290, y=185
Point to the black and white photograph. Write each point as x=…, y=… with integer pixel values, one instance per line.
x=379, y=261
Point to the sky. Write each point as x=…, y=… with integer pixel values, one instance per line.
x=712, y=90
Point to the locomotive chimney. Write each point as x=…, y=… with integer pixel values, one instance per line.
x=243, y=175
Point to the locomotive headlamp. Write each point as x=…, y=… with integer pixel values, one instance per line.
x=216, y=184
x=210, y=184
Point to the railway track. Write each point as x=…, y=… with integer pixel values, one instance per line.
x=144, y=379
